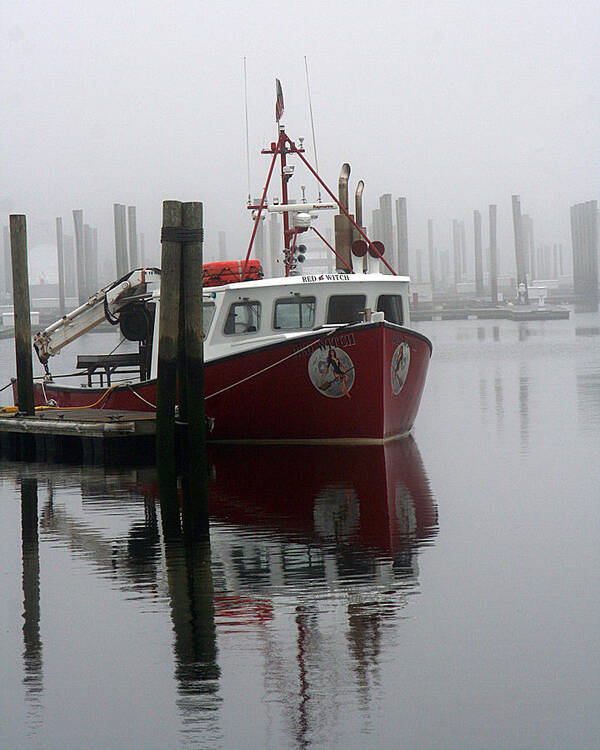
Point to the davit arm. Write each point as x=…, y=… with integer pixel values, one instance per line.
x=99, y=306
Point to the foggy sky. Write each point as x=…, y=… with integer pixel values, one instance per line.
x=453, y=104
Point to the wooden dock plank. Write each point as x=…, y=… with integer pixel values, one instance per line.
x=105, y=423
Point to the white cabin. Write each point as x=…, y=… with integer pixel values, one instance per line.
x=243, y=316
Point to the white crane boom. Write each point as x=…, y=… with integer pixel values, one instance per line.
x=109, y=300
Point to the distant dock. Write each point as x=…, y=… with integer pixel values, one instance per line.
x=520, y=313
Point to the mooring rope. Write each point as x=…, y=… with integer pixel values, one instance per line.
x=77, y=408
x=274, y=364
x=141, y=398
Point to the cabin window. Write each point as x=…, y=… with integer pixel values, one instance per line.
x=208, y=313
x=294, y=312
x=345, y=308
x=243, y=317
x=391, y=306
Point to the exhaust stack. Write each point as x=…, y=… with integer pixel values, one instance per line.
x=343, y=228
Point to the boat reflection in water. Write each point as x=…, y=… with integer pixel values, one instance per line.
x=332, y=517
x=328, y=536
x=312, y=555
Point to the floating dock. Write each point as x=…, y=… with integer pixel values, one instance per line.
x=526, y=312
x=88, y=435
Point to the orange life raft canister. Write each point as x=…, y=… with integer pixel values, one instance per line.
x=230, y=271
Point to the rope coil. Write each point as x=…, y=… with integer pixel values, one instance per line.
x=181, y=234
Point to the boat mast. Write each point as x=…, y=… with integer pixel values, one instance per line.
x=287, y=238
x=283, y=146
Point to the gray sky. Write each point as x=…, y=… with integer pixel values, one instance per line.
x=454, y=104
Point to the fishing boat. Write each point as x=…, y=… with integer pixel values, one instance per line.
x=305, y=357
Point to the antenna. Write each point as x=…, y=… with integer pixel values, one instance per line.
x=247, y=136
x=312, y=124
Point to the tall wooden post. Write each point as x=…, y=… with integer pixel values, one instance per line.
x=69, y=266
x=431, y=254
x=456, y=248
x=132, y=229
x=493, y=255
x=61, y=266
x=419, y=259
x=167, y=359
x=91, y=260
x=520, y=258
x=120, y=239
x=478, y=252
x=95, y=255
x=463, y=246
x=358, y=217
x=22, y=308
x=402, y=229
x=195, y=500
x=80, y=255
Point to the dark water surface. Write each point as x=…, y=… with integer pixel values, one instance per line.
x=441, y=592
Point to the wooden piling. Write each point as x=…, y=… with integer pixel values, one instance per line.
x=493, y=209
x=431, y=254
x=22, y=312
x=69, y=266
x=95, y=255
x=167, y=355
x=456, y=249
x=402, y=229
x=478, y=252
x=80, y=255
x=520, y=258
x=120, y=239
x=358, y=217
x=132, y=229
x=91, y=260
x=195, y=500
x=61, y=266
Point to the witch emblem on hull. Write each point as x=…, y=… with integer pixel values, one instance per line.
x=331, y=371
x=399, y=368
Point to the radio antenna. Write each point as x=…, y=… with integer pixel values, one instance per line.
x=247, y=135
x=312, y=125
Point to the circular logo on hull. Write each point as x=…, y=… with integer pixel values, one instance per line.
x=399, y=367
x=331, y=371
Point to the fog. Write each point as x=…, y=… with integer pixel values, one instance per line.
x=453, y=104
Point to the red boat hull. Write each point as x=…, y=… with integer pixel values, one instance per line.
x=360, y=383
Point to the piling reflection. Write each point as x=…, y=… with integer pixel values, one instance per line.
x=191, y=597
x=524, y=407
x=297, y=533
x=588, y=396
x=32, y=643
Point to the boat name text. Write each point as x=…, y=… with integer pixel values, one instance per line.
x=326, y=277
x=345, y=340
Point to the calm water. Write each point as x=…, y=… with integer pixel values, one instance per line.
x=439, y=593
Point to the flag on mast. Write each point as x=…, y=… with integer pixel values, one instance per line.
x=278, y=100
